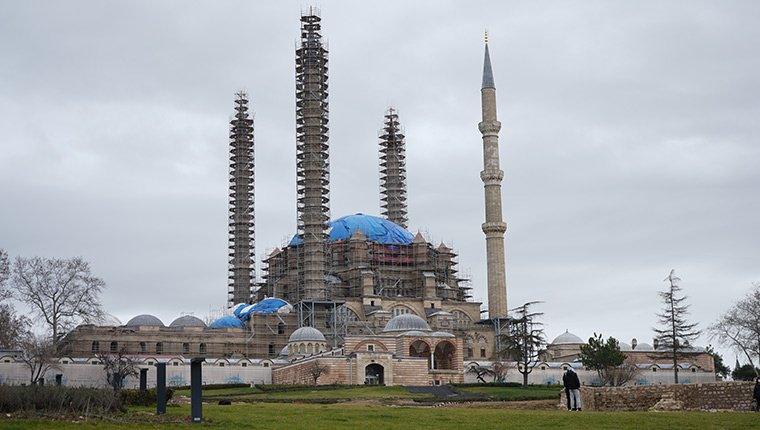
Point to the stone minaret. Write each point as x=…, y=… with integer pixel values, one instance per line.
x=393, y=170
x=242, y=221
x=494, y=227
x=312, y=158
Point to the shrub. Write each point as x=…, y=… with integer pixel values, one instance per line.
x=147, y=398
x=59, y=400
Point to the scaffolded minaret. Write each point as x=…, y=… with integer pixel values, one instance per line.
x=242, y=271
x=312, y=164
x=492, y=175
x=393, y=170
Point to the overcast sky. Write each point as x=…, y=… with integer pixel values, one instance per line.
x=629, y=142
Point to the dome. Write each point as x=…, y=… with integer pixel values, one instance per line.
x=105, y=320
x=644, y=347
x=374, y=228
x=188, y=321
x=306, y=334
x=414, y=333
x=624, y=347
x=567, y=338
x=285, y=351
x=442, y=334
x=407, y=322
x=145, y=320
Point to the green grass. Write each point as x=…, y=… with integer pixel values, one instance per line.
x=336, y=417
x=536, y=392
x=310, y=394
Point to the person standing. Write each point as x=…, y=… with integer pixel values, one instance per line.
x=573, y=386
x=756, y=396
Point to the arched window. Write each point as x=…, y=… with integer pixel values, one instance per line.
x=483, y=346
x=185, y=348
x=468, y=343
x=159, y=348
x=401, y=310
x=202, y=348
x=280, y=328
x=114, y=346
x=142, y=348
x=95, y=346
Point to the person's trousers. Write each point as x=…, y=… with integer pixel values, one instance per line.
x=575, y=399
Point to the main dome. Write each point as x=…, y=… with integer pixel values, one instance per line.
x=376, y=229
x=567, y=338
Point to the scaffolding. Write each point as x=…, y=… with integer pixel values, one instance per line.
x=241, y=267
x=393, y=170
x=312, y=158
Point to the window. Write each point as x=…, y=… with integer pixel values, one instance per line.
x=96, y=346
x=114, y=346
x=202, y=348
x=159, y=348
x=266, y=364
x=221, y=364
x=371, y=348
x=63, y=362
x=185, y=348
x=469, y=352
x=95, y=362
x=175, y=364
x=654, y=369
x=482, y=352
x=543, y=367
x=142, y=348
x=244, y=364
x=693, y=370
x=271, y=349
x=280, y=328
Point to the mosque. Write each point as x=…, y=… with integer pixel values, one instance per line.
x=354, y=300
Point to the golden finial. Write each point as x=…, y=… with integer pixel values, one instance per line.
x=486, y=36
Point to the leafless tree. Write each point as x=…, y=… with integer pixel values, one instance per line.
x=5, y=274
x=317, y=369
x=118, y=367
x=524, y=339
x=480, y=372
x=739, y=326
x=63, y=292
x=39, y=355
x=13, y=327
x=676, y=333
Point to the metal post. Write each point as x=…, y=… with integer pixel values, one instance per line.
x=143, y=380
x=196, y=379
x=160, y=388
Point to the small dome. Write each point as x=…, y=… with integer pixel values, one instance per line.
x=306, y=334
x=188, y=321
x=442, y=334
x=414, y=333
x=105, y=320
x=285, y=351
x=624, y=347
x=145, y=320
x=644, y=347
x=406, y=322
x=567, y=338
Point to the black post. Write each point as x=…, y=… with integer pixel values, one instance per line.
x=143, y=380
x=196, y=379
x=160, y=388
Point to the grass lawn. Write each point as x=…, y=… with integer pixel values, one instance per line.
x=336, y=417
x=535, y=392
x=329, y=393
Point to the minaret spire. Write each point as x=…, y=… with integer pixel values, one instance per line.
x=393, y=170
x=492, y=175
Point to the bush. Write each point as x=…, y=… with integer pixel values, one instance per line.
x=58, y=400
x=215, y=386
x=147, y=398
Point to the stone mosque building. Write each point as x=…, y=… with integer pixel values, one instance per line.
x=359, y=295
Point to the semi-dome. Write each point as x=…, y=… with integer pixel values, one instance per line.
x=374, y=228
x=407, y=322
x=644, y=347
x=307, y=334
x=188, y=321
x=567, y=338
x=145, y=320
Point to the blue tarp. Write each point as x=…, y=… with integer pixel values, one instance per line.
x=376, y=229
x=265, y=307
x=228, y=321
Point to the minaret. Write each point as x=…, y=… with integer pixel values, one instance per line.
x=242, y=271
x=492, y=175
x=312, y=158
x=393, y=170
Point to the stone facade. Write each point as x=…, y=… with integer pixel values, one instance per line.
x=733, y=396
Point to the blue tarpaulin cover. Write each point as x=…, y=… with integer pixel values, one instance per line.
x=265, y=307
x=376, y=229
x=228, y=321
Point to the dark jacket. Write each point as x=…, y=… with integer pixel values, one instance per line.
x=570, y=381
x=756, y=393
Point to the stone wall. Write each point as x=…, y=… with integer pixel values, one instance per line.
x=735, y=396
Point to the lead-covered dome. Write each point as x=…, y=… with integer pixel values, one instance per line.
x=567, y=338
x=307, y=334
x=407, y=322
x=375, y=229
x=187, y=321
x=145, y=320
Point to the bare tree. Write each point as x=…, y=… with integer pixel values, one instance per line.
x=39, y=355
x=12, y=327
x=317, y=369
x=118, y=367
x=63, y=292
x=524, y=339
x=676, y=332
x=480, y=372
x=739, y=326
